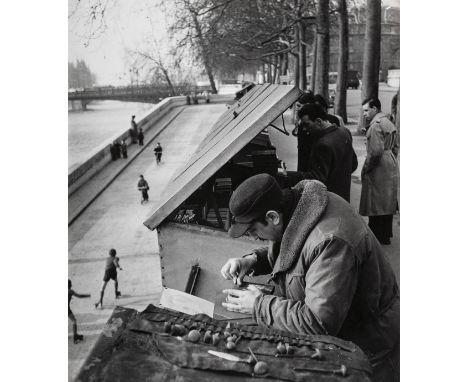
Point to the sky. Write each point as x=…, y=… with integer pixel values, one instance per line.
x=128, y=23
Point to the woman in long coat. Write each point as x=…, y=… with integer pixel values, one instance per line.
x=380, y=176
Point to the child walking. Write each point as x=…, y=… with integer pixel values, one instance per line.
x=112, y=263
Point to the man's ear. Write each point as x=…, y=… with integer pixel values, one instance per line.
x=274, y=216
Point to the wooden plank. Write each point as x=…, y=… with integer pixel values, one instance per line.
x=231, y=142
x=227, y=116
x=233, y=124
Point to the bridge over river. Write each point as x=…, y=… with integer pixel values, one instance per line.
x=139, y=93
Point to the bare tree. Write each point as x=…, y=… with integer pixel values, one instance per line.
x=323, y=48
x=341, y=83
x=157, y=65
x=203, y=47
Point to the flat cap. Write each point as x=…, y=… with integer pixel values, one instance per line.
x=251, y=200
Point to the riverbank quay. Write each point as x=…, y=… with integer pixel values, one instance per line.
x=114, y=220
x=152, y=124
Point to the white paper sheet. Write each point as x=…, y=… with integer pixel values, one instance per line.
x=186, y=303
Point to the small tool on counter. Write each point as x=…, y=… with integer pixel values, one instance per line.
x=229, y=357
x=207, y=338
x=194, y=336
x=216, y=339
x=178, y=330
x=280, y=348
x=317, y=355
x=253, y=355
x=341, y=371
x=260, y=367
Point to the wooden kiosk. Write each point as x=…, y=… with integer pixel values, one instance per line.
x=193, y=217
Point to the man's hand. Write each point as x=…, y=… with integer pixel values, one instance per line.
x=236, y=268
x=241, y=301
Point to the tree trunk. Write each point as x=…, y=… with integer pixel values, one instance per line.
x=300, y=33
x=275, y=70
x=204, y=50
x=397, y=116
x=323, y=48
x=284, y=70
x=168, y=80
x=341, y=83
x=313, y=65
x=269, y=70
x=296, y=71
x=370, y=75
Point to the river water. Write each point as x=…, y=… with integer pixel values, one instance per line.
x=99, y=124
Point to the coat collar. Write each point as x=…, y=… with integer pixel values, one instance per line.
x=307, y=214
x=378, y=117
x=324, y=131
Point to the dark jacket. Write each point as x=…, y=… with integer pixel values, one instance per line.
x=143, y=185
x=332, y=276
x=380, y=173
x=332, y=160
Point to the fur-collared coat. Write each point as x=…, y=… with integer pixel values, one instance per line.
x=380, y=173
x=331, y=274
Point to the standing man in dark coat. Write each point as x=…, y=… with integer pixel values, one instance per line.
x=144, y=188
x=133, y=130
x=380, y=173
x=303, y=136
x=117, y=149
x=158, y=153
x=331, y=274
x=112, y=151
x=140, y=137
x=331, y=158
x=123, y=147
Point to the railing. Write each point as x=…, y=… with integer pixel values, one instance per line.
x=140, y=91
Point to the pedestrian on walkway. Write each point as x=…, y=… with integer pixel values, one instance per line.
x=144, y=188
x=123, y=147
x=112, y=151
x=331, y=157
x=133, y=130
x=117, y=149
x=110, y=272
x=158, y=153
x=140, y=137
x=76, y=337
x=380, y=173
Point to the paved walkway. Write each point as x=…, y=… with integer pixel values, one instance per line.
x=115, y=219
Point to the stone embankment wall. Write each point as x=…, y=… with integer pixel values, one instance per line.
x=102, y=156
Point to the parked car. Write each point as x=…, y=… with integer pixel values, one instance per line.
x=352, y=79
